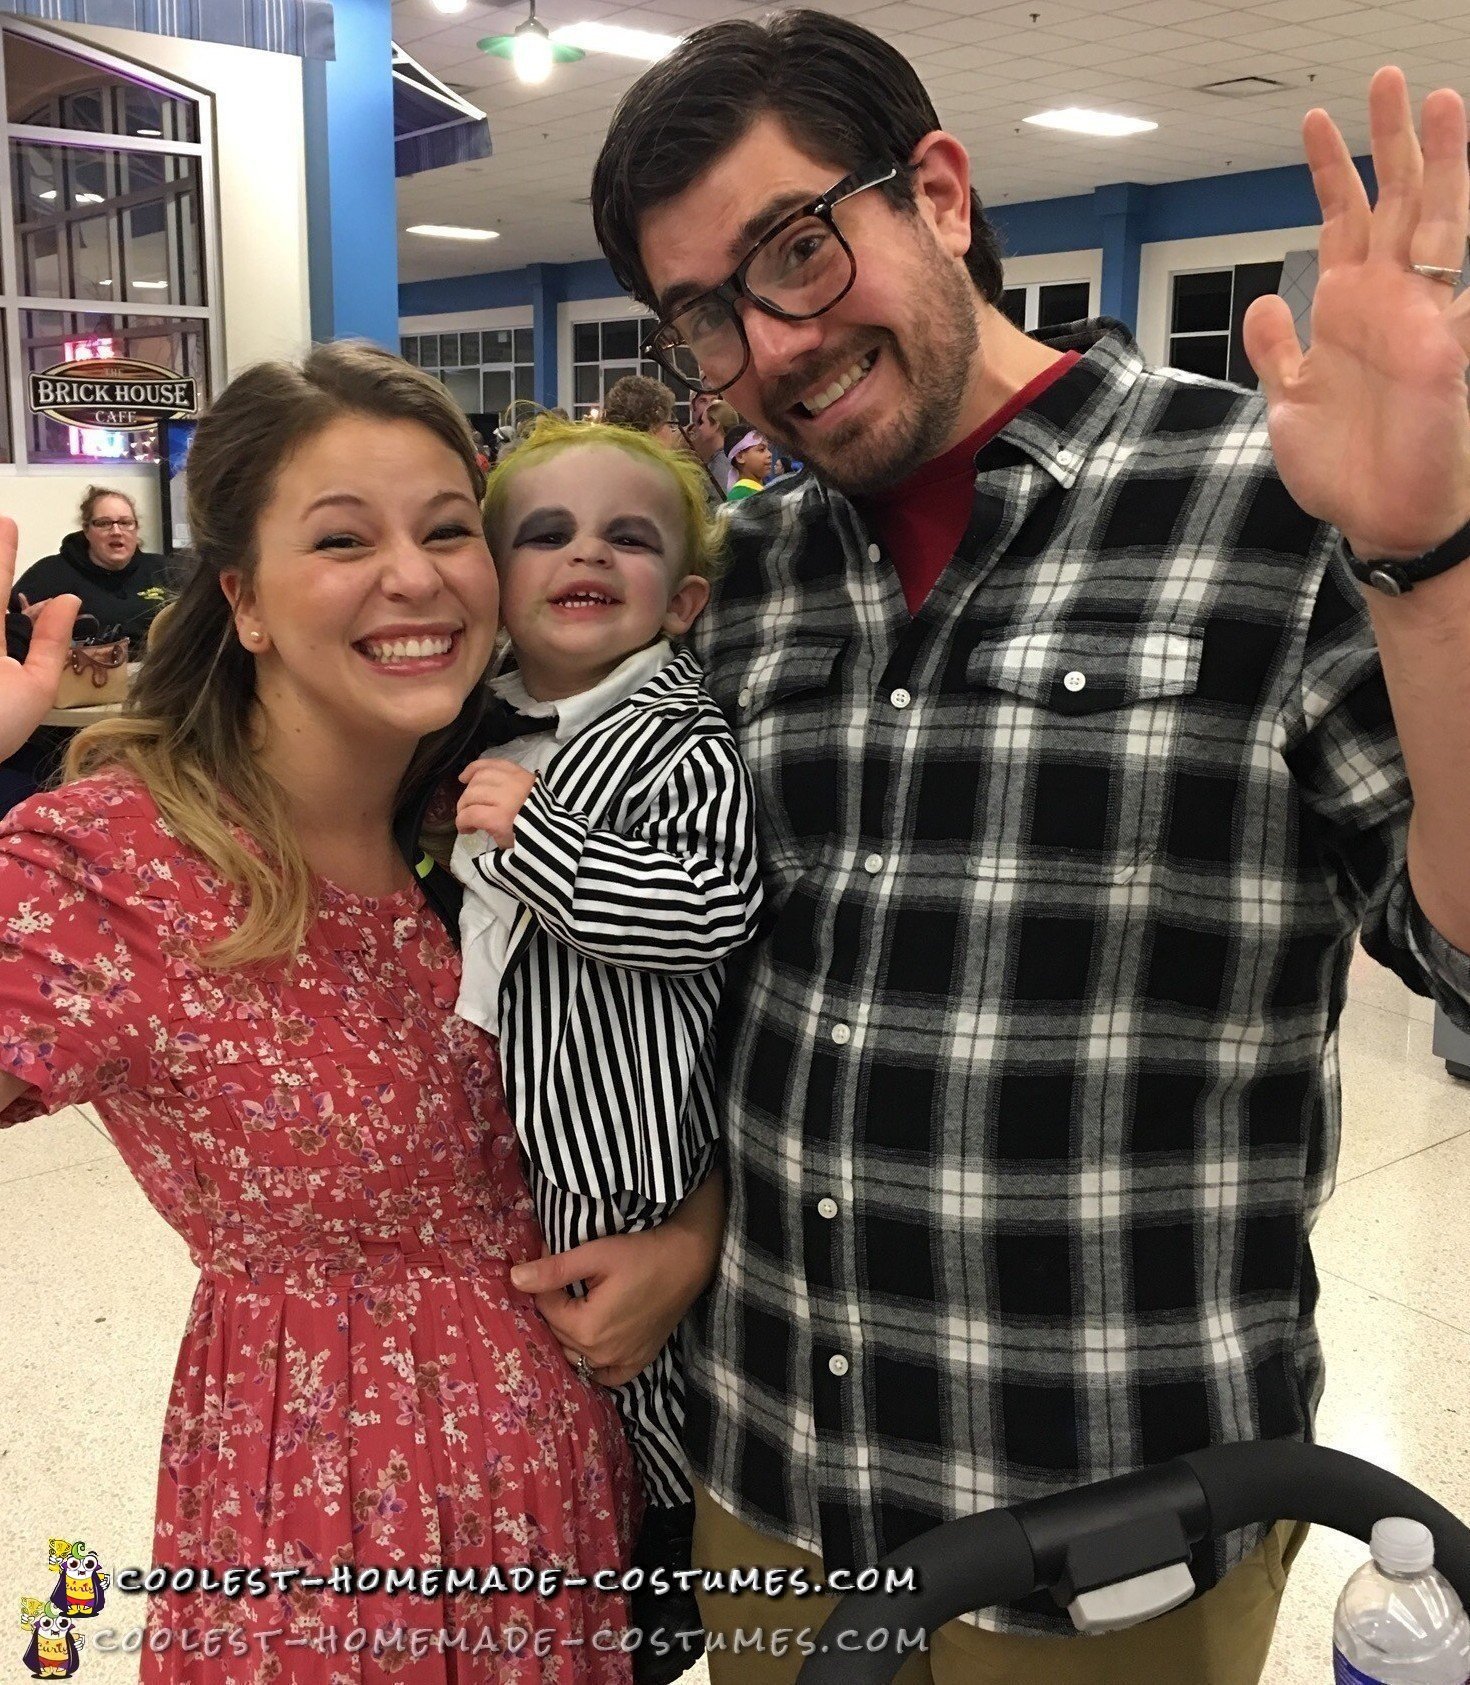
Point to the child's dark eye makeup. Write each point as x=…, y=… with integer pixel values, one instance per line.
x=636, y=535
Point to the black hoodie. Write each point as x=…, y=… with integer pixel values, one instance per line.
x=124, y=600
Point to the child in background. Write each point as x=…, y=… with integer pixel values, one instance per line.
x=750, y=457
x=608, y=857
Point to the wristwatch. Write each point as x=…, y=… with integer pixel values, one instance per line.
x=1395, y=578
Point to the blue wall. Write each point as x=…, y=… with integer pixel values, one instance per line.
x=352, y=212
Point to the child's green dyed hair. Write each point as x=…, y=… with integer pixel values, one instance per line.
x=703, y=533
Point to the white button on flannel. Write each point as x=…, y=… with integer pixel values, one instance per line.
x=874, y=863
x=900, y=698
x=827, y=1208
x=838, y=1365
x=1075, y=680
x=841, y=1034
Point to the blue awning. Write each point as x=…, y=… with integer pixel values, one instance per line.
x=300, y=27
x=432, y=125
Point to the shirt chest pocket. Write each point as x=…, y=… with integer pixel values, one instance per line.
x=1078, y=726
x=786, y=711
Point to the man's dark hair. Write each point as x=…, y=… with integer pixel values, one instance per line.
x=842, y=92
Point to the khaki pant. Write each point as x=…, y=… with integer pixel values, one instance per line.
x=1219, y=1639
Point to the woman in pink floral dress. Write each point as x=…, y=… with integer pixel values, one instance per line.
x=211, y=937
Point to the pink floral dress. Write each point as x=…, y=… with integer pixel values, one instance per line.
x=359, y=1387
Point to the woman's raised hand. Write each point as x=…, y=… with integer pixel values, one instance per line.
x=28, y=688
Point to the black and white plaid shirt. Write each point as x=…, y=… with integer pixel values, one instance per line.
x=1030, y=1083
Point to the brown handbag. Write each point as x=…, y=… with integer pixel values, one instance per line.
x=94, y=674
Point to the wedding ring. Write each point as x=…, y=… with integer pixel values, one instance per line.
x=584, y=1368
x=1437, y=272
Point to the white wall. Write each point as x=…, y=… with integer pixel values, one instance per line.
x=1057, y=266
x=1164, y=259
x=470, y=321
x=265, y=296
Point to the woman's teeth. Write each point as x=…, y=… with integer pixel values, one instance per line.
x=824, y=400
x=408, y=649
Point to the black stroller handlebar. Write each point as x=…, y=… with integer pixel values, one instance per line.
x=1119, y=1530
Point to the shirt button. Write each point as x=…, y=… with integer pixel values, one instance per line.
x=827, y=1208
x=838, y=1365
x=744, y=698
x=900, y=698
x=841, y=1034
x=1066, y=458
x=874, y=553
x=1075, y=680
x=873, y=863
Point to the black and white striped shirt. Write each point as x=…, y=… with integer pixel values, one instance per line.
x=636, y=873
x=1029, y=1088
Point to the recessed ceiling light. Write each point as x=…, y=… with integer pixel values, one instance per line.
x=89, y=198
x=445, y=231
x=1076, y=121
x=611, y=38
x=450, y=8
x=156, y=285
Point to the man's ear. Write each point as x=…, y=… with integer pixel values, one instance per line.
x=685, y=604
x=942, y=184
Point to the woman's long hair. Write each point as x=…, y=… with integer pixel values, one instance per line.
x=189, y=730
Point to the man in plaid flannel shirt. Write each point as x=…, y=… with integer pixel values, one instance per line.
x=1077, y=778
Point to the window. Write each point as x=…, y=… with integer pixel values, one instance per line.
x=108, y=216
x=603, y=352
x=1047, y=304
x=1205, y=316
x=485, y=370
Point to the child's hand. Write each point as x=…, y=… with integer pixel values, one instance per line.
x=493, y=794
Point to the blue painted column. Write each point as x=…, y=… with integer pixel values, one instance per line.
x=351, y=201
x=1121, y=207
x=548, y=291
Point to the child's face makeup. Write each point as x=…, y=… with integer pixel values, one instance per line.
x=590, y=553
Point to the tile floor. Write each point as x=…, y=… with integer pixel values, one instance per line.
x=93, y=1292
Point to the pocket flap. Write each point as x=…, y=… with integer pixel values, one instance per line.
x=794, y=668
x=1073, y=670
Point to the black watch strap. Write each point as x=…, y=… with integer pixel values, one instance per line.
x=1393, y=579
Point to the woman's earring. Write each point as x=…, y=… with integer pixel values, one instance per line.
x=255, y=637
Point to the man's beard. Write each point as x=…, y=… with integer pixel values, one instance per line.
x=942, y=342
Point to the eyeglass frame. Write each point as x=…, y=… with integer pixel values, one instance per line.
x=733, y=287
x=110, y=523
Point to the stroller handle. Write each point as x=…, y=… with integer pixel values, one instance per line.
x=1115, y=1530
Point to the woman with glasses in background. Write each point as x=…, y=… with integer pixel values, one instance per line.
x=120, y=584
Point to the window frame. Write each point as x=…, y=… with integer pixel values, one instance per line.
x=643, y=324
x=13, y=302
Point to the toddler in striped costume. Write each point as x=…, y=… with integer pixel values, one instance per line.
x=607, y=852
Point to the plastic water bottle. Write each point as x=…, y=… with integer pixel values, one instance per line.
x=1398, y=1620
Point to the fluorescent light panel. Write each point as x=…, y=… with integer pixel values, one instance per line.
x=155, y=285
x=444, y=231
x=610, y=38
x=1076, y=121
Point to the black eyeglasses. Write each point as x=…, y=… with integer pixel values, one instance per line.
x=797, y=270
x=123, y=523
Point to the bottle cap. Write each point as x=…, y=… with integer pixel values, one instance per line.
x=1401, y=1546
